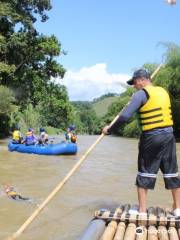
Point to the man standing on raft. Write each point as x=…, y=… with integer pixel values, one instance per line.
x=157, y=147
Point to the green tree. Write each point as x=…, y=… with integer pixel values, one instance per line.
x=7, y=107
x=13, y=12
x=7, y=99
x=28, y=64
x=169, y=78
x=55, y=107
x=27, y=61
x=86, y=118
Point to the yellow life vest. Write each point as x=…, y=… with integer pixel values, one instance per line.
x=156, y=112
x=11, y=193
x=16, y=135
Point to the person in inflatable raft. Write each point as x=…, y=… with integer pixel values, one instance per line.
x=17, y=137
x=31, y=138
x=43, y=137
x=70, y=134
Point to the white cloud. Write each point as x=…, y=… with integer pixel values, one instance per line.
x=92, y=82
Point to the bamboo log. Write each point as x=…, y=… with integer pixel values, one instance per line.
x=133, y=216
x=106, y=214
x=125, y=211
x=130, y=233
x=152, y=233
x=142, y=220
x=173, y=235
x=119, y=210
x=120, y=231
x=161, y=216
x=142, y=236
x=152, y=216
x=145, y=220
x=163, y=233
x=179, y=232
x=151, y=210
x=171, y=218
x=126, y=208
x=109, y=231
x=112, y=226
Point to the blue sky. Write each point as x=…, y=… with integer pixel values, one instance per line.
x=109, y=39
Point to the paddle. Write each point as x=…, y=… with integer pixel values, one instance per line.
x=66, y=178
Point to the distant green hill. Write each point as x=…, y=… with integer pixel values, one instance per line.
x=101, y=105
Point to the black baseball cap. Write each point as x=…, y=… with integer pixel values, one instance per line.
x=138, y=74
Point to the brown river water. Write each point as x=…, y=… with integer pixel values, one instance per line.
x=105, y=179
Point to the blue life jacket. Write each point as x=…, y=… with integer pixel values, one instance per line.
x=30, y=139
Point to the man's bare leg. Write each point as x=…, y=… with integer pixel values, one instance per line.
x=176, y=197
x=142, y=197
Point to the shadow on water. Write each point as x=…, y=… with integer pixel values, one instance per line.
x=105, y=180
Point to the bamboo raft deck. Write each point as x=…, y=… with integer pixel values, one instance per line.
x=156, y=224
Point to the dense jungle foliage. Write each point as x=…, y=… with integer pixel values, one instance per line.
x=29, y=95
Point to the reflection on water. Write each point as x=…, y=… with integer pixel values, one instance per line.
x=105, y=180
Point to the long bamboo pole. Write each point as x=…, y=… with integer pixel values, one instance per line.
x=156, y=70
x=66, y=178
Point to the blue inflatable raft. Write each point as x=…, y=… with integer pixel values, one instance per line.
x=62, y=148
